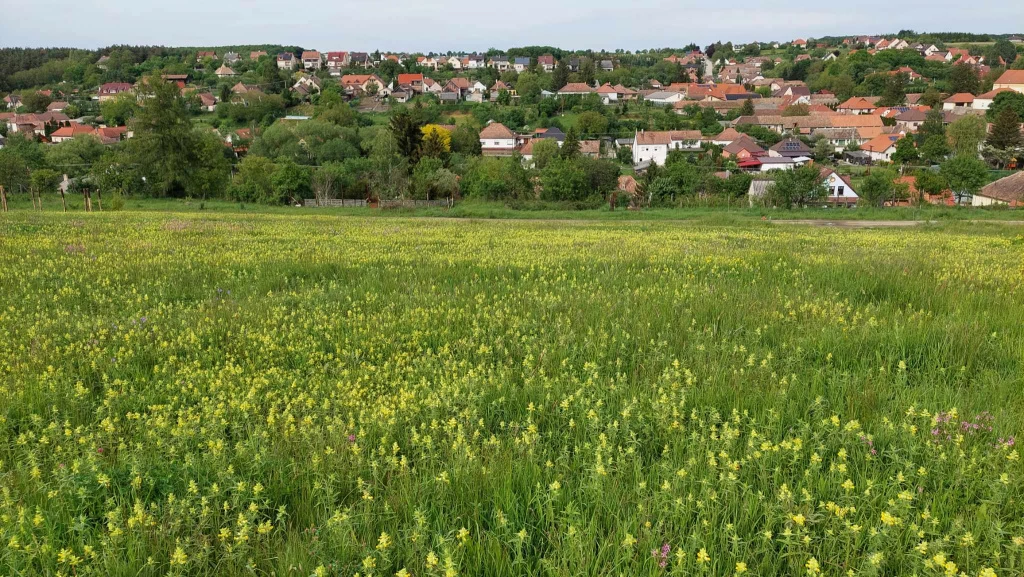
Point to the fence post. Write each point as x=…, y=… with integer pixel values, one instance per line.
x=3, y=198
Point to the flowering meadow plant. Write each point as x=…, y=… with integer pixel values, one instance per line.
x=315, y=395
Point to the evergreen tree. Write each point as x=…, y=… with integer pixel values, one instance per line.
x=408, y=135
x=571, y=146
x=560, y=76
x=748, y=108
x=1005, y=130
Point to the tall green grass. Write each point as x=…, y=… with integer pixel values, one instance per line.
x=298, y=394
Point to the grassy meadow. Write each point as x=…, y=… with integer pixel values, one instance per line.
x=316, y=394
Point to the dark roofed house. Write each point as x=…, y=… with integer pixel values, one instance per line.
x=607, y=65
x=790, y=148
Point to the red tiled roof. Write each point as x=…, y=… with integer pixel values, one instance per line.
x=409, y=78
x=575, y=87
x=496, y=130
x=1011, y=77
x=73, y=130
x=960, y=98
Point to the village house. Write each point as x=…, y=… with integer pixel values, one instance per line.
x=336, y=62
x=840, y=188
x=911, y=119
x=241, y=88
x=575, y=89
x=665, y=98
x=520, y=64
x=203, y=55
x=362, y=84
x=743, y=148
x=497, y=140
x=856, y=105
x=1012, y=79
x=414, y=81
x=286, y=61
x=12, y=101
x=311, y=60
x=111, y=90
x=113, y=134
x=959, y=101
x=207, y=102
x=881, y=148
x=500, y=63
x=361, y=59
x=652, y=147
x=231, y=57
x=546, y=62
x=1008, y=191
x=984, y=101
x=70, y=131
x=431, y=86
x=257, y=54
x=224, y=71
x=790, y=148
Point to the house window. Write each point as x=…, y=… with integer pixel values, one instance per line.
x=840, y=191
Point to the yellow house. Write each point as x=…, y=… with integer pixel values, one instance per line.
x=1012, y=79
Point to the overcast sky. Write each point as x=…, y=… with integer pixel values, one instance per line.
x=464, y=25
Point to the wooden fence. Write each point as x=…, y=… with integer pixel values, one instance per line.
x=347, y=202
x=409, y=203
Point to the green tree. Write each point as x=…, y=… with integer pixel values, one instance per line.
x=13, y=171
x=571, y=146
x=965, y=176
x=1009, y=99
x=291, y=182
x=75, y=157
x=560, y=76
x=255, y=181
x=389, y=178
x=748, y=108
x=225, y=93
x=929, y=182
x=935, y=149
x=466, y=140
x=905, y=150
x=544, y=151
x=117, y=111
x=408, y=135
x=1005, y=130
x=881, y=187
x=964, y=78
x=796, y=110
x=564, y=180
x=172, y=153
x=588, y=71
x=592, y=123
x=933, y=125
x=823, y=150
x=797, y=187
x=44, y=181
x=35, y=101
x=931, y=97
x=895, y=91
x=966, y=134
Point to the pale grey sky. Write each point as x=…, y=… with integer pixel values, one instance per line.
x=464, y=25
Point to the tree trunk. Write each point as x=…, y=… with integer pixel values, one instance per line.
x=3, y=199
x=99, y=199
x=63, y=202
